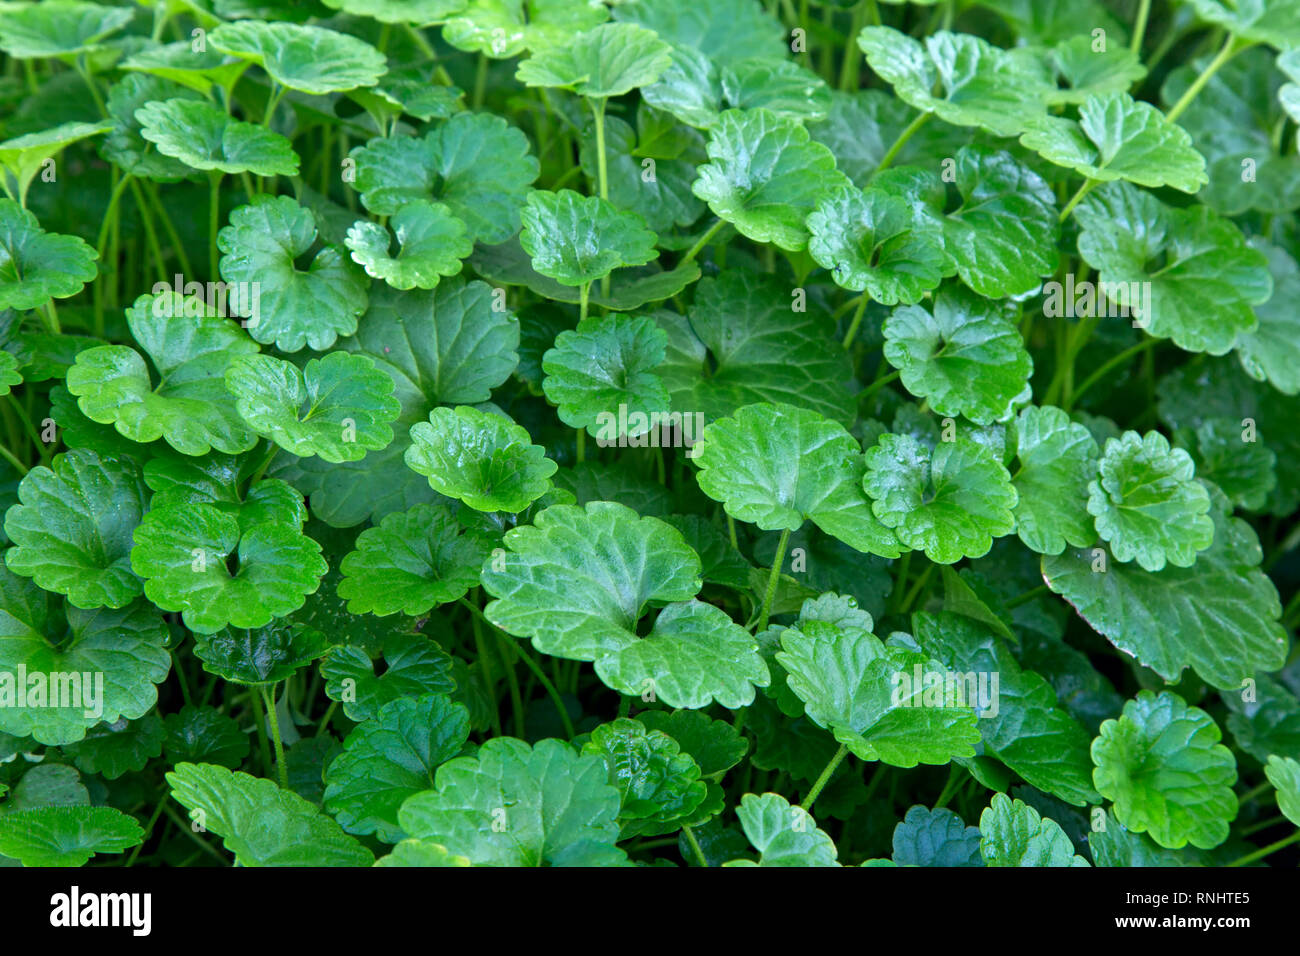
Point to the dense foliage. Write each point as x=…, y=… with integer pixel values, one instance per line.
x=656, y=432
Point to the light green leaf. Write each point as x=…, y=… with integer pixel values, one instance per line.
x=723, y=30
x=66, y=836
x=421, y=853
x=37, y=266
x=784, y=835
x=1275, y=22
x=1284, y=774
x=431, y=244
x=179, y=63
x=659, y=785
x=413, y=666
x=61, y=28
x=1082, y=70
x=608, y=60
x=309, y=59
x=1012, y=833
x=1162, y=765
x=1272, y=351
x=9, y=374
x=577, y=239
x=1056, y=459
x=503, y=29
x=205, y=137
x=25, y=156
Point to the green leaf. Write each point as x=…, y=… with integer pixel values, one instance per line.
x=742, y=342
x=869, y=697
x=476, y=163
x=219, y=568
x=261, y=655
x=950, y=502
x=180, y=63
x=261, y=824
x=338, y=407
x=965, y=357
x=9, y=374
x=421, y=853
x=515, y=805
x=603, y=368
x=47, y=785
x=1056, y=459
x=1147, y=503
x=777, y=465
x=1220, y=616
x=431, y=244
x=58, y=28
x=977, y=83
x=124, y=146
x=1082, y=70
x=608, y=60
x=723, y=30
x=37, y=266
x=412, y=562
x=784, y=835
x=1013, y=833
x=390, y=757
x=121, y=747
x=290, y=307
x=66, y=836
x=936, y=838
x=1115, y=845
x=125, y=647
x=72, y=528
x=577, y=239
x=1271, y=352
x=1162, y=765
x=870, y=240
x=1284, y=774
x=200, y=734
x=503, y=29
x=765, y=176
x=205, y=137
x=191, y=345
x=1275, y=22
x=696, y=90
x=25, y=156
x=659, y=786
x=309, y=59
x=1117, y=137
x=414, y=666
x=1264, y=717
x=1187, y=274
x=713, y=744
x=480, y=458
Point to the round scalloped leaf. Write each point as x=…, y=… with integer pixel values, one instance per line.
x=201, y=734
x=713, y=744
x=1275, y=22
x=765, y=176
x=1162, y=766
x=9, y=374
x=125, y=646
x=936, y=837
x=872, y=242
x=777, y=465
x=412, y=562
x=476, y=163
x=412, y=12
x=1081, y=70
x=608, y=60
x=203, y=136
x=977, y=83
x=391, y=757
x=1055, y=460
x=577, y=239
x=743, y=343
x=72, y=528
x=503, y=29
x=291, y=307
x=61, y=28
x=868, y=696
x=114, y=749
x=37, y=266
x=515, y=805
x=308, y=59
x=338, y=407
x=724, y=30
x=605, y=366
x=422, y=853
x=262, y=655
x=66, y=836
x=1271, y=352
x=1116, y=137
x=480, y=458
x=48, y=785
x=966, y=357
x=783, y=835
x=261, y=824
x=659, y=785
x=191, y=346
x=1221, y=616
x=1284, y=774
x=25, y=156
x=1185, y=274
x=219, y=568
x=695, y=655
x=1244, y=470
x=1012, y=833
x=578, y=580
x=951, y=502
x=124, y=146
x=1148, y=504
x=414, y=666
x=431, y=244
x=180, y=63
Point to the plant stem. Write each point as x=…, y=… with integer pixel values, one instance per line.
x=915, y=590
x=903, y=137
x=512, y=679
x=148, y=829
x=695, y=846
x=1074, y=200
x=477, y=615
x=877, y=385
x=480, y=81
x=214, y=220
x=1106, y=367
x=584, y=295
x=8, y=456
x=701, y=243
x=1027, y=597
x=770, y=592
x=484, y=663
x=1266, y=851
x=852, y=333
x=268, y=694
x=950, y=787
x=825, y=777
x=1140, y=26
x=849, y=68
x=259, y=721
x=1226, y=53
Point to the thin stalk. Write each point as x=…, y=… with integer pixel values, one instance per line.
x=1027, y=597
x=1140, y=26
x=172, y=235
x=151, y=234
x=1226, y=53
x=268, y=696
x=512, y=679
x=701, y=243
x=1106, y=367
x=950, y=787
x=915, y=590
x=852, y=333
x=547, y=685
x=484, y=665
x=695, y=846
x=903, y=137
x=148, y=829
x=480, y=81
x=214, y=221
x=584, y=296
x=878, y=384
x=1074, y=200
x=849, y=67
x=324, y=723
x=259, y=719
x=1266, y=851
x=25, y=420
x=825, y=777
x=8, y=456
x=770, y=591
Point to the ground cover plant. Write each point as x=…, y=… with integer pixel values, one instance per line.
x=659, y=432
